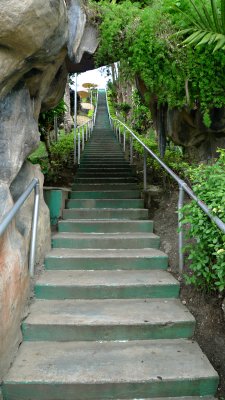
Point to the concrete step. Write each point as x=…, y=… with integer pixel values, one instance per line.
x=105, y=194
x=106, y=168
x=104, y=186
x=106, y=164
x=106, y=180
x=106, y=284
x=109, y=370
x=106, y=259
x=103, y=163
x=104, y=174
x=68, y=240
x=105, y=203
x=105, y=213
x=107, y=319
x=104, y=226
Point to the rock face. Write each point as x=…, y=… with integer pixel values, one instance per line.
x=38, y=41
x=185, y=127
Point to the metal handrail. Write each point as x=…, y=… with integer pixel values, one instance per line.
x=183, y=187
x=4, y=223
x=83, y=133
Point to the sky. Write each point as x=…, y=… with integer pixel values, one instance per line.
x=96, y=76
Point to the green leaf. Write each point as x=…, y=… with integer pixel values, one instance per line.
x=220, y=44
x=194, y=38
x=216, y=16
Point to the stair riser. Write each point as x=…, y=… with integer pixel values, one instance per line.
x=155, y=388
x=85, y=169
x=129, y=194
x=104, y=174
x=107, y=227
x=106, y=180
x=105, y=165
x=106, y=263
x=104, y=186
x=102, y=243
x=105, y=214
x=62, y=333
x=105, y=203
x=106, y=292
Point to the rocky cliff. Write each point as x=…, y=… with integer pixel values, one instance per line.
x=40, y=40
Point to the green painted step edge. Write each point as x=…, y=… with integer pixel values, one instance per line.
x=105, y=292
x=62, y=333
x=101, y=243
x=107, y=227
x=107, y=203
x=157, y=388
x=105, y=194
x=106, y=263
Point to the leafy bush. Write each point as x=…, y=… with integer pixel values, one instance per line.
x=145, y=42
x=207, y=247
x=61, y=154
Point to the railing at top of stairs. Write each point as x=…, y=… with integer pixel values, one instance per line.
x=82, y=133
x=4, y=223
x=116, y=125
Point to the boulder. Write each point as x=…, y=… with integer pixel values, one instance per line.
x=14, y=285
x=19, y=134
x=37, y=41
x=24, y=217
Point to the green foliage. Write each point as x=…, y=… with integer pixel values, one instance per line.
x=46, y=119
x=144, y=41
x=141, y=115
x=61, y=154
x=90, y=113
x=207, y=247
x=207, y=26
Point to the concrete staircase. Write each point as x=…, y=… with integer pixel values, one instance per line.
x=107, y=322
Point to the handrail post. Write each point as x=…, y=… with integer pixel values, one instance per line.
x=124, y=140
x=75, y=121
x=180, y=227
x=131, y=149
x=82, y=138
x=34, y=228
x=78, y=146
x=145, y=170
x=86, y=133
x=119, y=134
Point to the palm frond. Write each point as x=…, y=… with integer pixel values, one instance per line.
x=207, y=28
x=216, y=16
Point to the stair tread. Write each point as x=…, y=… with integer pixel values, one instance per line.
x=102, y=236
x=105, y=312
x=103, y=221
x=103, y=253
x=139, y=361
x=106, y=278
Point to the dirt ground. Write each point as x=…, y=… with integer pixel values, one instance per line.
x=206, y=308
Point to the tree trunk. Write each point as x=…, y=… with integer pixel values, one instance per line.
x=68, y=121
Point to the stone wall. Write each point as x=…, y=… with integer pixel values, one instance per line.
x=39, y=41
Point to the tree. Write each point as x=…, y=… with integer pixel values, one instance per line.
x=208, y=26
x=46, y=124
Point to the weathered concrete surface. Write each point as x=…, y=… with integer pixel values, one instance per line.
x=108, y=319
x=166, y=366
x=106, y=284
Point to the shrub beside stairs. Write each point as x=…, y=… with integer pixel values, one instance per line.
x=107, y=322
